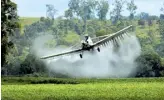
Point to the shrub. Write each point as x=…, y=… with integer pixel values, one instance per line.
x=149, y=65
x=101, y=32
x=54, y=81
x=141, y=22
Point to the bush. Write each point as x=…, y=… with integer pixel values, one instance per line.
x=162, y=68
x=141, y=22
x=149, y=65
x=161, y=16
x=160, y=49
x=54, y=81
x=101, y=32
x=71, y=38
x=150, y=23
x=32, y=65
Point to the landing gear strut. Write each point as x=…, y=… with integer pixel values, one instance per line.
x=81, y=56
x=98, y=49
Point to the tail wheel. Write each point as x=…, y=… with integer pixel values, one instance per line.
x=98, y=49
x=81, y=56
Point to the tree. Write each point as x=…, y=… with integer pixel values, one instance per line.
x=149, y=64
x=51, y=11
x=87, y=11
x=31, y=65
x=100, y=32
x=102, y=9
x=68, y=14
x=77, y=29
x=153, y=17
x=9, y=22
x=161, y=23
x=150, y=23
x=160, y=49
x=74, y=6
x=116, y=13
x=131, y=7
x=35, y=29
x=84, y=9
x=144, y=16
x=162, y=9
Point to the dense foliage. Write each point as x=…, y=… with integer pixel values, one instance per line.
x=9, y=23
x=82, y=16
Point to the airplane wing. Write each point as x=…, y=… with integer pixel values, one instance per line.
x=69, y=52
x=95, y=39
x=103, y=40
x=110, y=37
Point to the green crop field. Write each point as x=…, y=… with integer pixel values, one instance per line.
x=82, y=89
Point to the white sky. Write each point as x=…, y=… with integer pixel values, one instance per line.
x=37, y=8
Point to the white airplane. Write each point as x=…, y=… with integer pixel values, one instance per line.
x=88, y=45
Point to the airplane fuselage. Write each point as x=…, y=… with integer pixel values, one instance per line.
x=86, y=46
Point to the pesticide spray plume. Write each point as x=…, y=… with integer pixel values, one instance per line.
x=115, y=60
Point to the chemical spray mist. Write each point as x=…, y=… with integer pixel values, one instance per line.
x=108, y=63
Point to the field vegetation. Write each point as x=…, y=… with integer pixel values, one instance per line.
x=18, y=88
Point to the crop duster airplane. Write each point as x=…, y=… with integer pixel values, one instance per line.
x=88, y=45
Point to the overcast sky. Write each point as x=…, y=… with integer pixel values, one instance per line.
x=37, y=8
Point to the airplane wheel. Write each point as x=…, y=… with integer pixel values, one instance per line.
x=98, y=49
x=81, y=56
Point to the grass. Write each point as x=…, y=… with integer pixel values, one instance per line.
x=86, y=89
x=27, y=21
